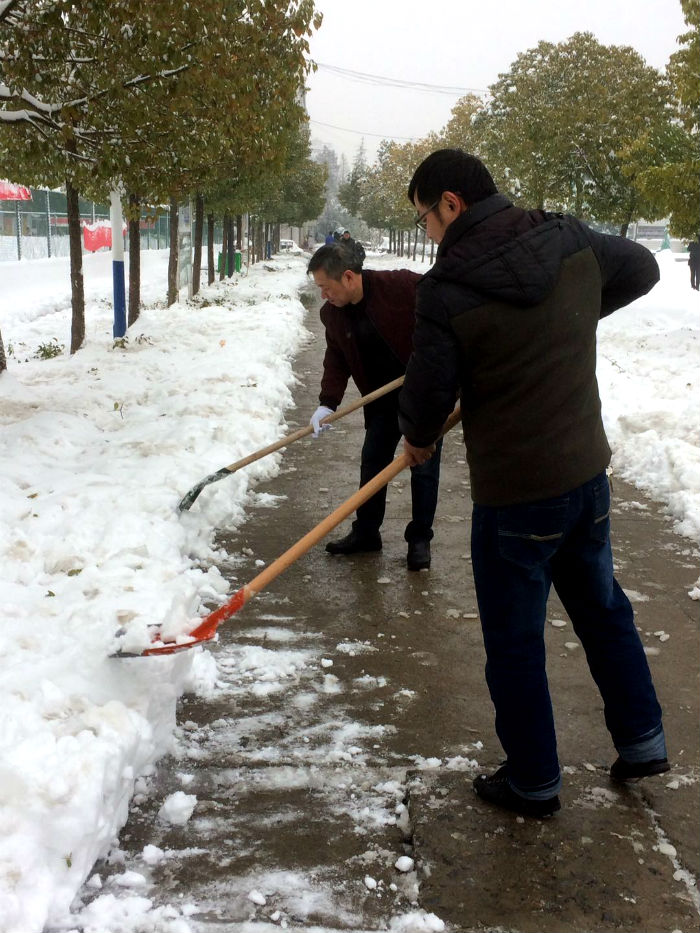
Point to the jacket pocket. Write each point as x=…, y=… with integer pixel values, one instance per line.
x=530, y=535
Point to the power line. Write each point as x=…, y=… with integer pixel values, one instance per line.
x=345, y=129
x=383, y=80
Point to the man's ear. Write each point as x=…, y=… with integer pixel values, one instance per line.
x=454, y=202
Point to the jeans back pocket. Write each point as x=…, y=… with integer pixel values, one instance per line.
x=529, y=535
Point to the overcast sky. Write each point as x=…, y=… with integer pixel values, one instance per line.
x=450, y=43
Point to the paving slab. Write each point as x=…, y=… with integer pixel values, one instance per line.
x=602, y=863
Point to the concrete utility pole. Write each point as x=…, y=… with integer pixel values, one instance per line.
x=48, y=224
x=19, y=231
x=115, y=216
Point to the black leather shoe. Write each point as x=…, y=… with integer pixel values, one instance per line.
x=355, y=543
x=495, y=789
x=418, y=557
x=624, y=771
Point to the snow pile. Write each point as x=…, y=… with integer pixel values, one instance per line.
x=95, y=453
x=649, y=376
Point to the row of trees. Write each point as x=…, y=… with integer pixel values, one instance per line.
x=166, y=102
x=574, y=126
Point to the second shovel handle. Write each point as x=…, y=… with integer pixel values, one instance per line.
x=303, y=432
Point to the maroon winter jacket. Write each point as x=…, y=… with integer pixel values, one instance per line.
x=389, y=299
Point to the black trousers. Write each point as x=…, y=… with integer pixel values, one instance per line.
x=382, y=436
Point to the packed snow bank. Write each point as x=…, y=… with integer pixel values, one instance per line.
x=649, y=376
x=95, y=453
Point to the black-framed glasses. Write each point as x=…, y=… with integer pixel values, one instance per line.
x=422, y=221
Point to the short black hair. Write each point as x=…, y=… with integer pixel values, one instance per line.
x=334, y=259
x=451, y=170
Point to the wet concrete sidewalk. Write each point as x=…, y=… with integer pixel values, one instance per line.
x=352, y=715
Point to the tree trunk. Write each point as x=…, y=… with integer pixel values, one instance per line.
x=210, y=249
x=198, y=236
x=134, y=259
x=224, y=247
x=3, y=358
x=239, y=232
x=172, y=260
x=231, y=251
x=77, y=290
x=578, y=197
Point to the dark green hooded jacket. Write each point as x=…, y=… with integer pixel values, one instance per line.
x=507, y=319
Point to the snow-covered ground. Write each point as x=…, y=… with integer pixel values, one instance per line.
x=96, y=451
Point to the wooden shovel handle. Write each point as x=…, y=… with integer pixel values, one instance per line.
x=187, y=500
x=207, y=627
x=303, y=432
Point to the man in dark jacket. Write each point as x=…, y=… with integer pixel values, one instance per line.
x=507, y=316
x=369, y=318
x=352, y=244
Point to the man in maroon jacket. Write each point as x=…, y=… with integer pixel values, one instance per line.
x=369, y=318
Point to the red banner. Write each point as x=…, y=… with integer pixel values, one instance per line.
x=11, y=192
x=97, y=235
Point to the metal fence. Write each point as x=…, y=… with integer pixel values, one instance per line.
x=38, y=229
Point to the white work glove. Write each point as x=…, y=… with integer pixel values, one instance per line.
x=321, y=412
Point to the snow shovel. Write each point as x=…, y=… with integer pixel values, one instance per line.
x=208, y=626
x=190, y=497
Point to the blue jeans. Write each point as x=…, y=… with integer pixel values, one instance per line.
x=382, y=436
x=518, y=552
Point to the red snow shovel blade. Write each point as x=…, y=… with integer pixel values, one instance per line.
x=206, y=630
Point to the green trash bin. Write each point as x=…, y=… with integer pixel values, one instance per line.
x=239, y=257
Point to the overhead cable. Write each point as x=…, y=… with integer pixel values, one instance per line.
x=365, y=78
x=344, y=129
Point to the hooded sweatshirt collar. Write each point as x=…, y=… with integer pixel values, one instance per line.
x=478, y=212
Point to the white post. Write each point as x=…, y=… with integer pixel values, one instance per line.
x=116, y=220
x=48, y=224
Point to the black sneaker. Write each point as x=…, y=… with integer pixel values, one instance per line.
x=418, y=557
x=495, y=789
x=355, y=543
x=624, y=771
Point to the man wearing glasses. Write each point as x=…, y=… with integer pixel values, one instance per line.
x=369, y=317
x=508, y=316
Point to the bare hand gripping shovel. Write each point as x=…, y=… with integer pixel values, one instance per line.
x=190, y=497
x=208, y=626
